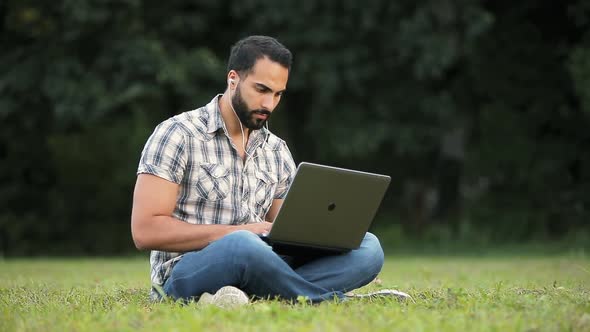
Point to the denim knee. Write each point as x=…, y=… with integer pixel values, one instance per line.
x=372, y=253
x=245, y=246
x=243, y=237
x=241, y=234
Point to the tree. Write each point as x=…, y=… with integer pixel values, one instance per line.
x=479, y=110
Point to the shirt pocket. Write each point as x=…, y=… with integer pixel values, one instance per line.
x=266, y=183
x=213, y=183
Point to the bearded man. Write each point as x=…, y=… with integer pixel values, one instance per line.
x=211, y=181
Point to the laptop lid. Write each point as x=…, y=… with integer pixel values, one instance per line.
x=328, y=208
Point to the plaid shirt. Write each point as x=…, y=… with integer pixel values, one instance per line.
x=193, y=149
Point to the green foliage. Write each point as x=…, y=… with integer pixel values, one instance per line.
x=377, y=86
x=528, y=134
x=86, y=82
x=451, y=294
x=373, y=72
x=580, y=71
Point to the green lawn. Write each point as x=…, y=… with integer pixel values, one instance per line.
x=499, y=293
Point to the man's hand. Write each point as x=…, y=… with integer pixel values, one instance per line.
x=260, y=228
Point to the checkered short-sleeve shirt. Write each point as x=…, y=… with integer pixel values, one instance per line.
x=193, y=150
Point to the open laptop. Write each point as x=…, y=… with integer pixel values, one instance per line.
x=327, y=210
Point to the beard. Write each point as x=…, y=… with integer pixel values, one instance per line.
x=246, y=115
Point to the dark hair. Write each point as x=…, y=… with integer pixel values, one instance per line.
x=247, y=51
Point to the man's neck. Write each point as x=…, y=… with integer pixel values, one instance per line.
x=230, y=118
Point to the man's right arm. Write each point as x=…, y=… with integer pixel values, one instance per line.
x=154, y=228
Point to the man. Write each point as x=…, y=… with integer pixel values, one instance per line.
x=210, y=182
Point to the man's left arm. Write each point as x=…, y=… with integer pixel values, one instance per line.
x=274, y=209
x=286, y=175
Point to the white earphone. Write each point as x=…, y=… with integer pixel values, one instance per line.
x=230, y=83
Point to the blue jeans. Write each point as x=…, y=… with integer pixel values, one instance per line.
x=243, y=260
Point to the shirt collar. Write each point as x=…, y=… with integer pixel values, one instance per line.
x=215, y=120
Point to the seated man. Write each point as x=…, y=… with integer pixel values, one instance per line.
x=210, y=181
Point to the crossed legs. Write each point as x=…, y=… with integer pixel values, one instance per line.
x=243, y=260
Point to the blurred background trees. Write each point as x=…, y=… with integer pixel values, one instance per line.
x=479, y=110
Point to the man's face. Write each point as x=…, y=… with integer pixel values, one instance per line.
x=258, y=93
x=251, y=119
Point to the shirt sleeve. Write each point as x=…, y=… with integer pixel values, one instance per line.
x=287, y=172
x=164, y=154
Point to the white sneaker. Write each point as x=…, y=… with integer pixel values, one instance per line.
x=384, y=293
x=226, y=297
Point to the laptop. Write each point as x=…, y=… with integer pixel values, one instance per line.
x=327, y=210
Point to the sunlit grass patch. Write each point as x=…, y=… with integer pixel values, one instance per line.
x=451, y=294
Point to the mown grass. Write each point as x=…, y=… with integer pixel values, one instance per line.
x=452, y=293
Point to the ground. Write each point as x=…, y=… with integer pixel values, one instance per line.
x=452, y=293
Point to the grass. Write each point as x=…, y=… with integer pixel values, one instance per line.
x=453, y=293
